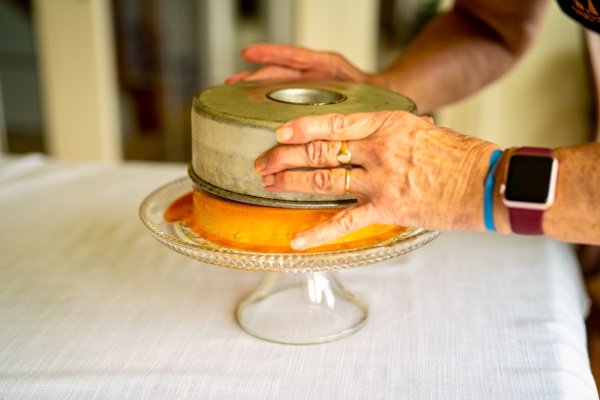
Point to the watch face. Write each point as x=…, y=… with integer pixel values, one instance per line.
x=529, y=178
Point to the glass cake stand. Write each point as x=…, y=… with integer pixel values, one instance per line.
x=301, y=300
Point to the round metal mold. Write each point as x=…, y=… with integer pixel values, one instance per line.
x=261, y=201
x=306, y=96
x=233, y=124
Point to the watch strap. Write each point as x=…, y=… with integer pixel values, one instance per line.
x=524, y=221
x=534, y=150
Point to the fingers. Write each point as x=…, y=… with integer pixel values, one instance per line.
x=333, y=127
x=267, y=53
x=341, y=224
x=289, y=62
x=306, y=63
x=298, y=58
x=267, y=72
x=333, y=181
x=240, y=76
x=428, y=118
x=315, y=154
x=315, y=141
x=282, y=62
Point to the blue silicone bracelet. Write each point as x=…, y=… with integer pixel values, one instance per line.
x=488, y=196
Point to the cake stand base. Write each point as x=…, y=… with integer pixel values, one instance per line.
x=302, y=308
x=300, y=301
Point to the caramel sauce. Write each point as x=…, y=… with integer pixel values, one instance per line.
x=263, y=229
x=181, y=210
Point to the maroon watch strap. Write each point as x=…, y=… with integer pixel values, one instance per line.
x=526, y=222
x=535, y=150
x=523, y=221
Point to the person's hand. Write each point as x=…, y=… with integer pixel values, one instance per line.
x=406, y=171
x=290, y=62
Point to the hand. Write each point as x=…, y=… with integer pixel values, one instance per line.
x=289, y=62
x=406, y=171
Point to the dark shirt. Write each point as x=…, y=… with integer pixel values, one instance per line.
x=586, y=12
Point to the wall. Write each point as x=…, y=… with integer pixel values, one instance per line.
x=20, y=112
x=544, y=101
x=348, y=27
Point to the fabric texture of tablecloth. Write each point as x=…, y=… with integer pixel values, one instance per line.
x=92, y=307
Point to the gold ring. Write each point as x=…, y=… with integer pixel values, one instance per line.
x=347, y=186
x=344, y=156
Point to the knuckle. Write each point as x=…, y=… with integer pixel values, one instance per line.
x=315, y=151
x=287, y=180
x=333, y=56
x=338, y=61
x=274, y=156
x=338, y=125
x=319, y=153
x=346, y=223
x=322, y=236
x=322, y=181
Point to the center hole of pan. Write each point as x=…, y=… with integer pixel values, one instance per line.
x=306, y=96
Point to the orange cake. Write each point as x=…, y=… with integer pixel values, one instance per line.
x=247, y=227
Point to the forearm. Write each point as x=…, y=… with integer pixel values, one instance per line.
x=575, y=214
x=448, y=62
x=461, y=51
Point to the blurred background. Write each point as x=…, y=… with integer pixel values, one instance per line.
x=115, y=79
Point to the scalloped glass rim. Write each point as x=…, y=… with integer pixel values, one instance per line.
x=181, y=239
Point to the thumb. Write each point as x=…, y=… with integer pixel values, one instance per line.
x=341, y=224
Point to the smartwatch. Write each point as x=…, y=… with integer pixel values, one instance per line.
x=529, y=187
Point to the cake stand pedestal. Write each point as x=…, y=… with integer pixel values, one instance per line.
x=301, y=300
x=302, y=308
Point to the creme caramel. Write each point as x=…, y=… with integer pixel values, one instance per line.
x=255, y=228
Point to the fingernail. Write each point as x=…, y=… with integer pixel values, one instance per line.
x=298, y=243
x=268, y=180
x=284, y=134
x=260, y=164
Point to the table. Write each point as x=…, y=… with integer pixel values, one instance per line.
x=91, y=306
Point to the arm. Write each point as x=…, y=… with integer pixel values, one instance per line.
x=461, y=51
x=409, y=172
x=575, y=214
x=454, y=55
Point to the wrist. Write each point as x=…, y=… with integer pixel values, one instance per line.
x=381, y=80
x=488, y=195
x=575, y=215
x=527, y=188
x=473, y=201
x=500, y=211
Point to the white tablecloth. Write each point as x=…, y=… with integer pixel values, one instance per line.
x=92, y=307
